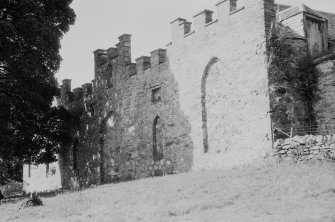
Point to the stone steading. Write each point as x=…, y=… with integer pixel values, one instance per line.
x=308, y=147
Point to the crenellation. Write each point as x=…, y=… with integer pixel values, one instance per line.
x=186, y=26
x=100, y=56
x=181, y=28
x=125, y=40
x=142, y=63
x=65, y=91
x=66, y=87
x=69, y=98
x=177, y=31
x=78, y=93
x=202, y=18
x=124, y=47
x=87, y=89
x=157, y=57
x=112, y=53
x=131, y=69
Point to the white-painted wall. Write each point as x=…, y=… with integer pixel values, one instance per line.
x=40, y=180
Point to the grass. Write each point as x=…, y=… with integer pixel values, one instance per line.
x=269, y=192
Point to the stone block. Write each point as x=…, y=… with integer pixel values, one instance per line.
x=282, y=152
x=315, y=148
x=310, y=139
x=319, y=139
x=287, y=147
x=288, y=141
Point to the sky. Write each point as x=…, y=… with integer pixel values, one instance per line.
x=99, y=23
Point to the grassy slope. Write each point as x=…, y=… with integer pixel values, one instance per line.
x=278, y=192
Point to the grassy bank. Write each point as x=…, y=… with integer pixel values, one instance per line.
x=270, y=192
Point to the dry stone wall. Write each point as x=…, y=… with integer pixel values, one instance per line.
x=306, y=148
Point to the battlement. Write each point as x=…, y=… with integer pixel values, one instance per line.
x=143, y=63
x=100, y=56
x=122, y=54
x=68, y=97
x=189, y=104
x=117, y=60
x=202, y=18
x=181, y=28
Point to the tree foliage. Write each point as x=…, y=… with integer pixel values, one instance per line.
x=292, y=81
x=31, y=30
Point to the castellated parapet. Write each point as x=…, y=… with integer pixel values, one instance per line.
x=199, y=104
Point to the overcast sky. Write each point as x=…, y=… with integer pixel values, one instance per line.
x=99, y=23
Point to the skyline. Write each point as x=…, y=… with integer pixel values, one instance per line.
x=100, y=23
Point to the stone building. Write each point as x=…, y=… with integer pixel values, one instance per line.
x=202, y=103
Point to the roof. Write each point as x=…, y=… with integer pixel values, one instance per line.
x=290, y=12
x=281, y=7
x=288, y=33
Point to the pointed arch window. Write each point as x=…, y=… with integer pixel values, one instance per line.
x=157, y=139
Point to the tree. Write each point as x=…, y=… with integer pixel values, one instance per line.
x=292, y=82
x=31, y=30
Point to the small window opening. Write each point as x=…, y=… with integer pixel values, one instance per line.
x=156, y=95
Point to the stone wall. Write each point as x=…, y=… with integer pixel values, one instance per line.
x=305, y=148
x=200, y=104
x=331, y=23
x=116, y=129
x=324, y=105
x=222, y=65
x=300, y=33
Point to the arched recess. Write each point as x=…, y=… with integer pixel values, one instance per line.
x=157, y=139
x=103, y=127
x=203, y=102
